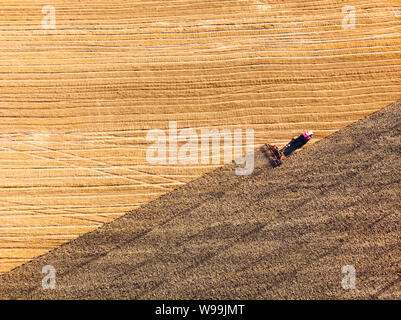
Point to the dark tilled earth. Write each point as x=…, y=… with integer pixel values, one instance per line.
x=281, y=233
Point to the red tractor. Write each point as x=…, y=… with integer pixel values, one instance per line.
x=275, y=154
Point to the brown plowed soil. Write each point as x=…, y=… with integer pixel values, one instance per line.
x=279, y=233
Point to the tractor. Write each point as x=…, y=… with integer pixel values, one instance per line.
x=275, y=155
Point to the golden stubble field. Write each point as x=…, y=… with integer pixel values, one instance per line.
x=77, y=101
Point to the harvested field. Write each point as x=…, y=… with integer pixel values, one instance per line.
x=280, y=233
x=77, y=102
